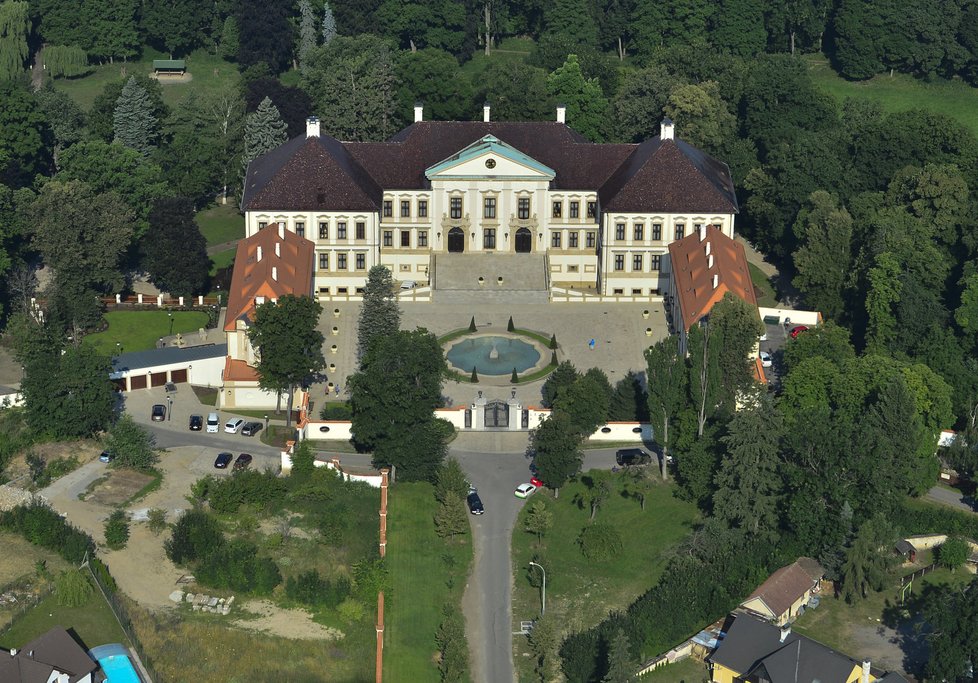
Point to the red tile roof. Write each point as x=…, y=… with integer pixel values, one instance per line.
x=786, y=585
x=700, y=285
x=239, y=371
x=270, y=264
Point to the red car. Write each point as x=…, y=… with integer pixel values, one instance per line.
x=536, y=482
x=795, y=331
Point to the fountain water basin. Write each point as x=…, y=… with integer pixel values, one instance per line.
x=492, y=355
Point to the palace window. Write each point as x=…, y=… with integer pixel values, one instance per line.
x=523, y=207
x=300, y=228
x=637, y=263
x=341, y=262
x=361, y=261
x=405, y=238
x=455, y=207
x=489, y=238
x=361, y=231
x=558, y=209
x=261, y=225
x=341, y=230
x=422, y=208
x=422, y=238
x=656, y=231
x=489, y=207
x=388, y=238
x=388, y=208
x=592, y=209
x=680, y=231
x=323, y=230
x=590, y=238
x=654, y=262
x=555, y=240
x=405, y=208
x=575, y=209
x=619, y=262
x=620, y=231
x=324, y=262
x=572, y=239
x=639, y=232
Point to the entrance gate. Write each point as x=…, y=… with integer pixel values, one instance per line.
x=524, y=241
x=497, y=415
x=456, y=241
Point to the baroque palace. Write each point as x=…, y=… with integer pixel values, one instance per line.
x=570, y=214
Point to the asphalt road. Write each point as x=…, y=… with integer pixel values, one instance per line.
x=952, y=498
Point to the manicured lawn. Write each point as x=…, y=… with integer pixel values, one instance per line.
x=427, y=573
x=140, y=330
x=93, y=622
x=762, y=282
x=686, y=671
x=208, y=73
x=901, y=92
x=581, y=592
x=220, y=223
x=222, y=259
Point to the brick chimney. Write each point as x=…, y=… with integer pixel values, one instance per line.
x=485, y=112
x=312, y=127
x=561, y=113
x=786, y=629
x=418, y=112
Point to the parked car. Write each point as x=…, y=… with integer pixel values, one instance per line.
x=632, y=456
x=159, y=413
x=223, y=460
x=243, y=461
x=795, y=331
x=766, y=360
x=536, y=482
x=233, y=425
x=106, y=457
x=251, y=428
x=213, y=423
x=525, y=490
x=475, y=503
x=196, y=423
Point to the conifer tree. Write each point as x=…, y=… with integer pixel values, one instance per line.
x=134, y=123
x=307, y=34
x=621, y=668
x=380, y=315
x=329, y=24
x=264, y=131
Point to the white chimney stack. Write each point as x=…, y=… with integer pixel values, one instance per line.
x=312, y=127
x=13, y=652
x=278, y=251
x=418, y=112
x=667, y=129
x=561, y=113
x=485, y=112
x=716, y=283
x=866, y=671
x=275, y=273
x=709, y=260
x=259, y=252
x=786, y=629
x=281, y=230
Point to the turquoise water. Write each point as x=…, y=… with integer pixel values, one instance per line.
x=477, y=352
x=118, y=669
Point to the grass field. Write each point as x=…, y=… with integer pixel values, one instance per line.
x=220, y=223
x=766, y=295
x=686, y=671
x=208, y=73
x=140, y=330
x=93, y=622
x=901, y=92
x=509, y=50
x=581, y=592
x=427, y=573
x=222, y=259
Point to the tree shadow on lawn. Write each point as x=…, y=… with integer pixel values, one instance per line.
x=907, y=629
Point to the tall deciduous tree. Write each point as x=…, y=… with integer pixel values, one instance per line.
x=26, y=136
x=666, y=374
x=517, y=92
x=823, y=259
x=557, y=383
x=952, y=614
x=175, y=252
x=557, y=448
x=585, y=403
x=701, y=115
x=738, y=327
x=134, y=123
x=380, y=314
x=289, y=345
x=704, y=371
x=265, y=34
x=15, y=26
x=65, y=117
x=538, y=520
x=433, y=77
x=884, y=293
x=131, y=444
x=639, y=103
x=587, y=107
x=264, y=131
x=110, y=27
x=174, y=26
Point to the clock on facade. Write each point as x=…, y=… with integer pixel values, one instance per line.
x=490, y=163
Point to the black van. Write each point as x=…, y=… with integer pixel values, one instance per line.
x=632, y=456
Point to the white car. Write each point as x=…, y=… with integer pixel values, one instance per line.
x=213, y=423
x=525, y=490
x=766, y=360
x=233, y=426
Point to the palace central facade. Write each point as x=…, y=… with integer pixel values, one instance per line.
x=601, y=216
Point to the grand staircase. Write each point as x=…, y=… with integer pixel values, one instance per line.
x=456, y=278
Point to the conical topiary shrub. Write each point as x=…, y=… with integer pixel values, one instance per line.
x=472, y=324
x=553, y=358
x=475, y=376
x=510, y=326
x=553, y=341
x=515, y=378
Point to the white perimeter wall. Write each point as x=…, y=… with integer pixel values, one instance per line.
x=797, y=317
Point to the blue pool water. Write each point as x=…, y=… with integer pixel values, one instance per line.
x=114, y=660
x=492, y=355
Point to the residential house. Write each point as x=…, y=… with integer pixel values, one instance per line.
x=54, y=657
x=595, y=217
x=786, y=592
x=271, y=263
x=754, y=651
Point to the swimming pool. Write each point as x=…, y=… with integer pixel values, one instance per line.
x=114, y=660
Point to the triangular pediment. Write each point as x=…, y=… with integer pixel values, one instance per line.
x=490, y=157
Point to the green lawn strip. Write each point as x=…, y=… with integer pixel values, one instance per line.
x=206, y=395
x=510, y=50
x=599, y=445
x=220, y=223
x=581, y=592
x=93, y=622
x=422, y=580
x=140, y=330
x=901, y=92
x=689, y=670
x=762, y=282
x=222, y=259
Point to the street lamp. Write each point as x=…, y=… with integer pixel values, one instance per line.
x=170, y=314
x=118, y=348
x=169, y=408
x=266, y=423
x=543, y=600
